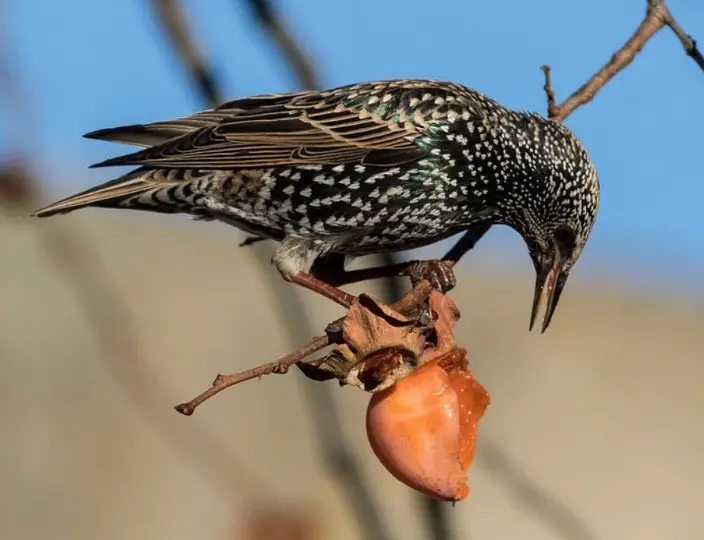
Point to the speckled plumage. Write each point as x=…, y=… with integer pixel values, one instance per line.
x=380, y=166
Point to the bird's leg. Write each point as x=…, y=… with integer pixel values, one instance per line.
x=466, y=242
x=292, y=256
x=439, y=272
x=251, y=239
x=316, y=285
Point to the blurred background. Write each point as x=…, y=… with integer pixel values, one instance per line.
x=108, y=319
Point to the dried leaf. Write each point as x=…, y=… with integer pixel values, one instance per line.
x=380, y=346
x=371, y=325
x=447, y=316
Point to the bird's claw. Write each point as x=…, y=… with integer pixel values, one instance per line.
x=439, y=274
x=249, y=240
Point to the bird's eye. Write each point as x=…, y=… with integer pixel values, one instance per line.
x=565, y=238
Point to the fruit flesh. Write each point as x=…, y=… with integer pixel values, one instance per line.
x=414, y=429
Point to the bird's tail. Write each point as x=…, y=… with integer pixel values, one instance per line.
x=136, y=190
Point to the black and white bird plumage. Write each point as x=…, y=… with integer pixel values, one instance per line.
x=364, y=168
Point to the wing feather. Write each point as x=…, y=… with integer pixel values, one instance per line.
x=284, y=129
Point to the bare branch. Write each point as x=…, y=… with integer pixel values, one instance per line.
x=175, y=25
x=408, y=303
x=689, y=44
x=330, y=435
x=619, y=60
x=277, y=366
x=18, y=187
x=657, y=16
x=297, y=59
x=549, y=92
x=103, y=308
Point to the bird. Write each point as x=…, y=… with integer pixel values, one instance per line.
x=371, y=167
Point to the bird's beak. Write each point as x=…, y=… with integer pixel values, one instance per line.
x=548, y=287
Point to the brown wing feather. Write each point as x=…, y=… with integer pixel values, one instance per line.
x=288, y=129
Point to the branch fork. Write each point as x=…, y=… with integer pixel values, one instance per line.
x=657, y=16
x=376, y=345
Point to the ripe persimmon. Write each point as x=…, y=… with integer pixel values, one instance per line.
x=423, y=427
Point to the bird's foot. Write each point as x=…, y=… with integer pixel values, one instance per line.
x=439, y=273
x=249, y=240
x=292, y=256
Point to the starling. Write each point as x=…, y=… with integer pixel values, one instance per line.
x=364, y=168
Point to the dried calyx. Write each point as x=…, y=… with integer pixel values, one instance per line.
x=381, y=345
x=426, y=404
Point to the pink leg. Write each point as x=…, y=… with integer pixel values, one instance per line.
x=316, y=285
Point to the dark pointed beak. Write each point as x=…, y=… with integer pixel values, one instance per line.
x=548, y=287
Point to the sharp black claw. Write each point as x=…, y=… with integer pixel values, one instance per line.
x=251, y=240
x=439, y=274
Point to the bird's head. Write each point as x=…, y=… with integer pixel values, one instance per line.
x=556, y=224
x=554, y=252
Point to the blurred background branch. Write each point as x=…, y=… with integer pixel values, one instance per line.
x=17, y=187
x=296, y=58
x=104, y=311
x=657, y=16
x=177, y=30
x=325, y=418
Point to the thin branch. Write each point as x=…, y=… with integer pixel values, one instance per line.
x=689, y=44
x=326, y=420
x=657, y=17
x=17, y=185
x=619, y=60
x=177, y=30
x=334, y=447
x=408, y=303
x=106, y=314
x=277, y=366
x=296, y=58
x=549, y=92
x=533, y=497
x=112, y=325
x=331, y=437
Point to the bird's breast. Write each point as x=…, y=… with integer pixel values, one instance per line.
x=374, y=208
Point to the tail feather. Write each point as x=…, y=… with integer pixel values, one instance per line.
x=135, y=135
x=113, y=194
x=155, y=133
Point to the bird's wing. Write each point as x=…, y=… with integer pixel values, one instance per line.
x=277, y=130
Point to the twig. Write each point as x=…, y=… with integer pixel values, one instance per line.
x=557, y=515
x=277, y=366
x=112, y=325
x=689, y=44
x=657, y=16
x=326, y=421
x=549, y=92
x=296, y=58
x=328, y=428
x=106, y=314
x=436, y=517
x=172, y=19
x=334, y=448
x=407, y=303
x=17, y=185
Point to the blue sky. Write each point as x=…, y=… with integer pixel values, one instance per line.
x=90, y=64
